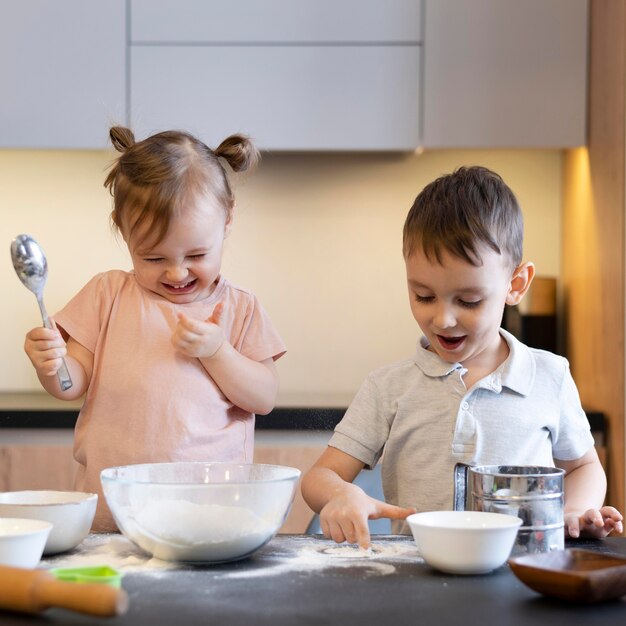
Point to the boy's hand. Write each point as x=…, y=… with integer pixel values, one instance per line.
x=345, y=516
x=594, y=523
x=45, y=348
x=199, y=339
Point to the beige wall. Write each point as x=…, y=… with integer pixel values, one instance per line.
x=317, y=237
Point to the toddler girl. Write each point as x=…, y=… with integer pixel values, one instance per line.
x=174, y=360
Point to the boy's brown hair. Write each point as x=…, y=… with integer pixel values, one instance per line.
x=460, y=211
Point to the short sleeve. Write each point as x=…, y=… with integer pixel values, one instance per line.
x=258, y=338
x=83, y=316
x=573, y=437
x=364, y=429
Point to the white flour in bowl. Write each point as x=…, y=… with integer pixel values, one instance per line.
x=188, y=524
x=184, y=531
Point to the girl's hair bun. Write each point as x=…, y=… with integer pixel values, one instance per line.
x=121, y=138
x=239, y=152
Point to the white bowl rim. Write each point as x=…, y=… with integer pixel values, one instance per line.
x=428, y=519
x=31, y=526
x=292, y=474
x=64, y=497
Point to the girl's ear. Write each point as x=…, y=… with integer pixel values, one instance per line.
x=229, y=222
x=522, y=277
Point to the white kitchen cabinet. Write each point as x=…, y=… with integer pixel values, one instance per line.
x=296, y=74
x=276, y=21
x=327, y=75
x=505, y=73
x=303, y=98
x=62, y=72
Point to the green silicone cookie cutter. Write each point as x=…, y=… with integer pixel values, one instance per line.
x=102, y=574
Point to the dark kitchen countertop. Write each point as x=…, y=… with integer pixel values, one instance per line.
x=281, y=418
x=293, y=581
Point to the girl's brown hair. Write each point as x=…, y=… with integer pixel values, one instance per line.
x=153, y=179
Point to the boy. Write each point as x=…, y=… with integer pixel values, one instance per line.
x=472, y=393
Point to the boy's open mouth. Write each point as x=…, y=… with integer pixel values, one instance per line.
x=450, y=343
x=182, y=287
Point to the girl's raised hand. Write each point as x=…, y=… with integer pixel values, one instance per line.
x=199, y=339
x=45, y=348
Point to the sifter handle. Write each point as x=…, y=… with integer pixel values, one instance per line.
x=460, y=487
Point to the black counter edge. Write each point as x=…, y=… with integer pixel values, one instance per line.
x=283, y=418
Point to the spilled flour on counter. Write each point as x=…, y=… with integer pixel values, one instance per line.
x=108, y=549
x=291, y=554
x=306, y=554
x=352, y=552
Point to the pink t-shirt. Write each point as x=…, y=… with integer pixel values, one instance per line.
x=147, y=402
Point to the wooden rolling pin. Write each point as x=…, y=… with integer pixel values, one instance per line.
x=32, y=591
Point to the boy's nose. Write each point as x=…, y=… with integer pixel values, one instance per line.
x=444, y=318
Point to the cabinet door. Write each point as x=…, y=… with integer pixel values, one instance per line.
x=504, y=73
x=62, y=72
x=272, y=21
x=286, y=98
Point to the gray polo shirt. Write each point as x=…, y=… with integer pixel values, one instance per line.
x=420, y=413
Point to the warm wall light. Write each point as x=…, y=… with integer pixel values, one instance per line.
x=580, y=225
x=581, y=183
x=582, y=247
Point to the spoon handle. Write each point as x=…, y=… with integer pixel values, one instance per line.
x=64, y=377
x=63, y=374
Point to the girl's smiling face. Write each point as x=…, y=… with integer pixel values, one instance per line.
x=185, y=265
x=459, y=306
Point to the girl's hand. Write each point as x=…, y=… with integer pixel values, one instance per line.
x=199, y=339
x=345, y=516
x=594, y=523
x=45, y=348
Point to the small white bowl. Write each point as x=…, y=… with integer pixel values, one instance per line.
x=22, y=541
x=464, y=542
x=70, y=512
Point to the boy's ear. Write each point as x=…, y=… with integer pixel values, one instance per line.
x=522, y=277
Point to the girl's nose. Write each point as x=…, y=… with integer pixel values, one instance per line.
x=177, y=273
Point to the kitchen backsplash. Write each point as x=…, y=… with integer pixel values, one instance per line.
x=316, y=236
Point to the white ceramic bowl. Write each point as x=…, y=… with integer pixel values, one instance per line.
x=208, y=512
x=464, y=542
x=70, y=512
x=22, y=541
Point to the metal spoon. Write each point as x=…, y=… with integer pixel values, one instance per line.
x=31, y=268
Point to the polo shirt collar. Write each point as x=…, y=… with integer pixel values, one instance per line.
x=517, y=373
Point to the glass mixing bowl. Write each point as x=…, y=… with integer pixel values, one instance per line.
x=207, y=512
